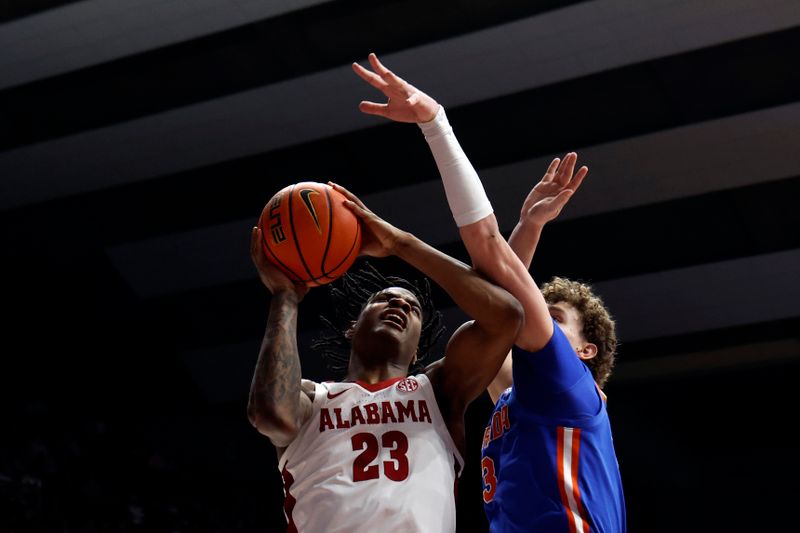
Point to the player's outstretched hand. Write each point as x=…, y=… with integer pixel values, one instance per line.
x=378, y=238
x=404, y=102
x=551, y=194
x=271, y=276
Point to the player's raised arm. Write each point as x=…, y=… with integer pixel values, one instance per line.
x=544, y=203
x=477, y=350
x=471, y=208
x=277, y=406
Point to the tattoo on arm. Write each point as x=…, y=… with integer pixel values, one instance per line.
x=275, y=389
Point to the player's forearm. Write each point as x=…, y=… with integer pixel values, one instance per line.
x=493, y=257
x=489, y=251
x=502, y=380
x=465, y=195
x=523, y=241
x=275, y=389
x=477, y=297
x=473, y=214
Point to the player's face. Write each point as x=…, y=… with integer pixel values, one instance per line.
x=394, y=313
x=571, y=323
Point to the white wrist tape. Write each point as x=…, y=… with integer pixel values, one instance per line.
x=462, y=186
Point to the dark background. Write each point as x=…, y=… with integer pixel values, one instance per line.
x=140, y=141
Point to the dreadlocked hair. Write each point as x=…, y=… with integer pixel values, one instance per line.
x=348, y=297
x=598, y=326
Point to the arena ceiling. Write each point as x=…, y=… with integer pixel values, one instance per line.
x=141, y=139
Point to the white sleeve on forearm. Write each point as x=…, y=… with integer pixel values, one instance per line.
x=462, y=186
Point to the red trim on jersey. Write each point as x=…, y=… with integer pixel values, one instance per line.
x=562, y=489
x=375, y=387
x=568, y=480
x=289, y=501
x=576, y=492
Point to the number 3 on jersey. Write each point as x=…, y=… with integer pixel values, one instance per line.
x=489, y=479
x=397, y=444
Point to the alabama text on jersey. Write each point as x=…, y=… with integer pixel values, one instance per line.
x=372, y=458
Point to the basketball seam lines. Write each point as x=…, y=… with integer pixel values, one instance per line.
x=288, y=271
x=347, y=256
x=330, y=233
x=294, y=236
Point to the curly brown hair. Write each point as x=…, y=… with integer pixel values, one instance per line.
x=598, y=326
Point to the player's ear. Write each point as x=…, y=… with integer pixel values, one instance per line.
x=348, y=333
x=589, y=351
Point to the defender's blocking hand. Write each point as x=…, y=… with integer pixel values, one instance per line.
x=404, y=102
x=548, y=197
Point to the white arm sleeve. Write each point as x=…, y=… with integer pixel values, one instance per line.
x=462, y=186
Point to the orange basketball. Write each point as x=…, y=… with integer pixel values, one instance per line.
x=309, y=233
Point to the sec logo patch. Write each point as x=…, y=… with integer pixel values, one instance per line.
x=407, y=385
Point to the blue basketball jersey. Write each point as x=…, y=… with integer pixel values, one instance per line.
x=548, y=458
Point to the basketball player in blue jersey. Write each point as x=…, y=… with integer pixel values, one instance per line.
x=548, y=459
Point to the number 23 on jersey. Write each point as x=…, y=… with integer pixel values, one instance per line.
x=396, y=469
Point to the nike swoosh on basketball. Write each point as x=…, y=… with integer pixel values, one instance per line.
x=305, y=194
x=332, y=396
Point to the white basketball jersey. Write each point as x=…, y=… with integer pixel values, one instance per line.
x=372, y=458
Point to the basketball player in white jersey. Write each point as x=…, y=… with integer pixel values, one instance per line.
x=381, y=450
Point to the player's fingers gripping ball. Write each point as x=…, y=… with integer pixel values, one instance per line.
x=309, y=233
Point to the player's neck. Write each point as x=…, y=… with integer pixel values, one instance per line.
x=358, y=371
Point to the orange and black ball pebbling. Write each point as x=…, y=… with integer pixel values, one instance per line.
x=309, y=233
